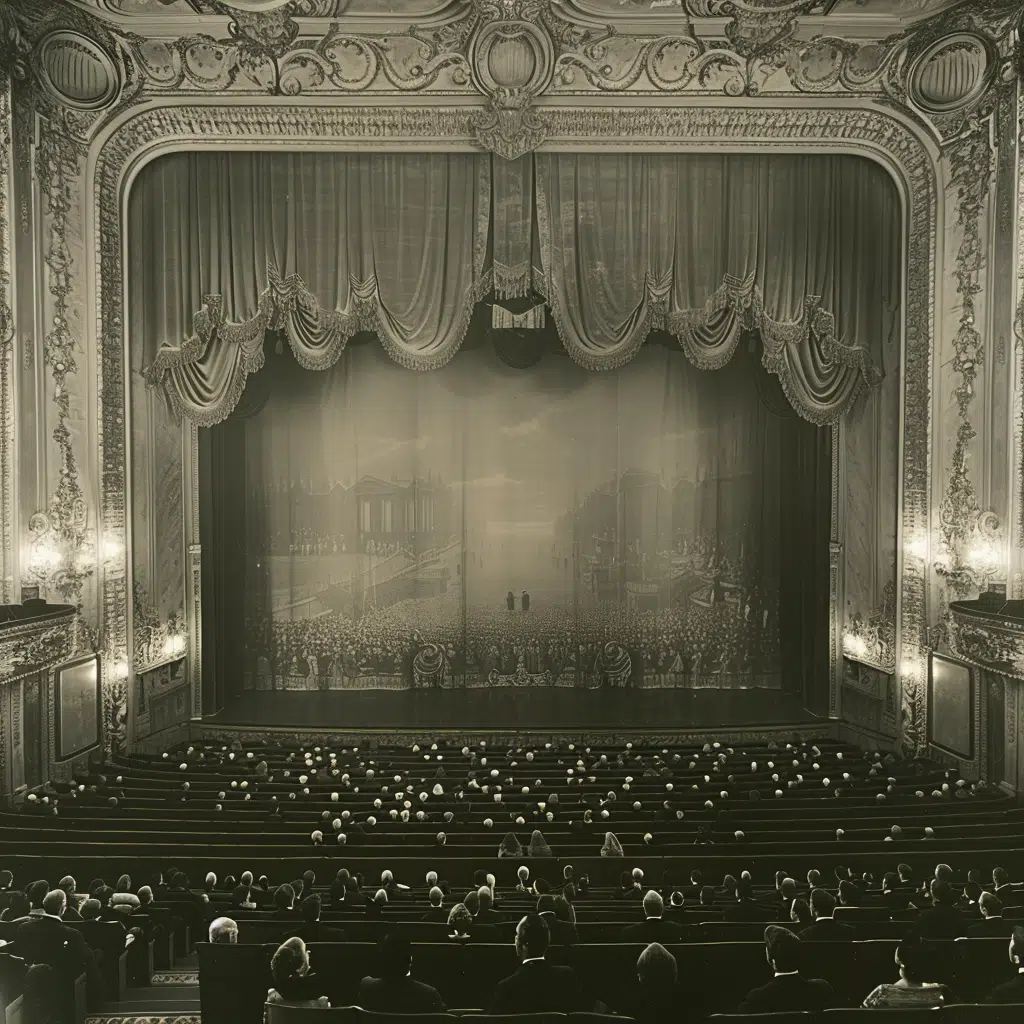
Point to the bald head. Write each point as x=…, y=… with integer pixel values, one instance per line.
x=654, y=905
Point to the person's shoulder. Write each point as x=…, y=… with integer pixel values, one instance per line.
x=874, y=995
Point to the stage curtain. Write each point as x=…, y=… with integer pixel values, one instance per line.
x=225, y=245
x=802, y=249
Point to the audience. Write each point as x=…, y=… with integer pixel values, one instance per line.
x=789, y=989
x=537, y=986
x=992, y=923
x=395, y=991
x=916, y=958
x=1012, y=991
x=654, y=928
x=294, y=985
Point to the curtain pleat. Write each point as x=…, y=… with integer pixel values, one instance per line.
x=802, y=249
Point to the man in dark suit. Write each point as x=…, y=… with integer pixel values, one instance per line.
x=654, y=927
x=1012, y=991
x=395, y=991
x=992, y=923
x=438, y=913
x=942, y=920
x=826, y=928
x=537, y=986
x=311, y=930
x=47, y=940
x=789, y=989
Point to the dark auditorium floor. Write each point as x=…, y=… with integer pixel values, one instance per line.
x=516, y=708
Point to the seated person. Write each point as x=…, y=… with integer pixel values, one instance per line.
x=1012, y=991
x=223, y=931
x=537, y=986
x=914, y=957
x=789, y=989
x=395, y=991
x=294, y=984
x=654, y=927
x=992, y=923
x=312, y=930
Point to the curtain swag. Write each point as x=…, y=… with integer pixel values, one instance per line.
x=618, y=246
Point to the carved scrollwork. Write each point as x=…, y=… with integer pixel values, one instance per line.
x=872, y=639
x=987, y=641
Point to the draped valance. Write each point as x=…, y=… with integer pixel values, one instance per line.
x=802, y=249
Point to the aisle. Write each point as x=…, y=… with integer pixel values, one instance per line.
x=172, y=997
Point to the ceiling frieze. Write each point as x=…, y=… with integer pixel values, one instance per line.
x=91, y=59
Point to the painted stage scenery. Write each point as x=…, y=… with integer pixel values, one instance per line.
x=481, y=526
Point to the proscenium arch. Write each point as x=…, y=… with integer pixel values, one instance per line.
x=135, y=139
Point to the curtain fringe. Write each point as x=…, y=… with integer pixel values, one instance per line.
x=317, y=337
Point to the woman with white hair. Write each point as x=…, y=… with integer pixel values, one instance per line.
x=294, y=983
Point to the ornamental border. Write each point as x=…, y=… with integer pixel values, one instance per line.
x=883, y=135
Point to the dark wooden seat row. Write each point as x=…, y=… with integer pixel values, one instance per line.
x=234, y=979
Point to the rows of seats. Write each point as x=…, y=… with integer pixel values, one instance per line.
x=612, y=821
x=234, y=979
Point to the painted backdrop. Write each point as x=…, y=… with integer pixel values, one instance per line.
x=486, y=526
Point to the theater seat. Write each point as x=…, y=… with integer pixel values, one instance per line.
x=276, y=1013
x=863, y=1016
x=793, y=1017
x=969, y=1013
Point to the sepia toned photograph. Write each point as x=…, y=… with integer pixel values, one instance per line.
x=511, y=509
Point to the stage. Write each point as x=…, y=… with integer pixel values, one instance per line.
x=540, y=711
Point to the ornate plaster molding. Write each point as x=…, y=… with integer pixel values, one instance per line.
x=7, y=368
x=154, y=640
x=877, y=133
x=872, y=639
x=43, y=642
x=988, y=641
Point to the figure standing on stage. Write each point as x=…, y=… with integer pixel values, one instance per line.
x=510, y=601
x=525, y=601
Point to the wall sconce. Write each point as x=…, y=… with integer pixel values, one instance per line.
x=119, y=670
x=59, y=554
x=978, y=559
x=174, y=646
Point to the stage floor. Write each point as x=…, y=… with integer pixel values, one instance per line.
x=537, y=708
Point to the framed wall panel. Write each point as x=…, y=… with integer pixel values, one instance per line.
x=78, y=707
x=951, y=707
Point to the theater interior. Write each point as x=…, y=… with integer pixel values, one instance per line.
x=511, y=508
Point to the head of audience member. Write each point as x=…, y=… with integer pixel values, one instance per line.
x=707, y=895
x=990, y=905
x=39, y=988
x=813, y=878
x=942, y=892
x=6, y=880
x=460, y=920
x=472, y=902
x=1016, y=949
x=972, y=891
x=380, y=898
x=18, y=906
x=69, y=885
x=395, y=953
x=823, y=905
x=915, y=958
x=55, y=903
x=37, y=893
x=800, y=912
x=657, y=973
x=782, y=949
x=788, y=890
x=943, y=872
x=90, y=910
x=612, y=847
x=284, y=897
x=209, y=882
x=436, y=896
x=431, y=878
x=288, y=966
x=1000, y=877
x=223, y=931
x=849, y=894
x=538, y=845
x=904, y=874
x=485, y=899
x=532, y=937
x=546, y=904
x=654, y=905
x=310, y=908
x=523, y=874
